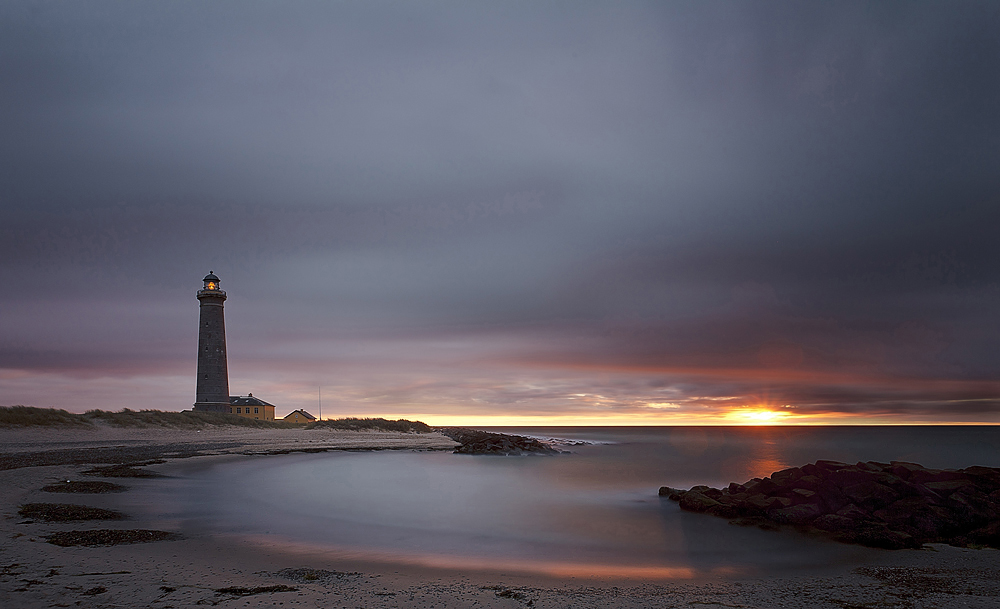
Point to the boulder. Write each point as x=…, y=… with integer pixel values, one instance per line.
x=796, y=514
x=853, y=512
x=803, y=495
x=786, y=476
x=693, y=501
x=881, y=536
x=903, y=469
x=983, y=476
x=988, y=535
x=765, y=486
x=832, y=496
x=761, y=502
x=852, y=476
x=871, y=495
x=947, y=487
x=809, y=482
x=830, y=466
x=833, y=522
x=924, y=476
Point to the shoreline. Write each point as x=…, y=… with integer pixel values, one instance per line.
x=256, y=573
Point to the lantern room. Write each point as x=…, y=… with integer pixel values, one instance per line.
x=211, y=281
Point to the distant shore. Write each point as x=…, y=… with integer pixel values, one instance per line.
x=253, y=573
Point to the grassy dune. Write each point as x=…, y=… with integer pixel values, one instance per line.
x=28, y=416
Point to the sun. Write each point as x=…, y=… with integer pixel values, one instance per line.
x=758, y=416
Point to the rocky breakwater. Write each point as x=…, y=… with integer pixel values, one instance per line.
x=475, y=442
x=885, y=505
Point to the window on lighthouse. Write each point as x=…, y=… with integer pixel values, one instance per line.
x=210, y=285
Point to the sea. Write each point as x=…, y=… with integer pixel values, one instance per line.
x=592, y=511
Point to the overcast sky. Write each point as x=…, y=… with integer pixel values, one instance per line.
x=509, y=211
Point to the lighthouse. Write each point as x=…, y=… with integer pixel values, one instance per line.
x=213, y=372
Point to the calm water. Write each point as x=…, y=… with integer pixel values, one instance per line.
x=593, y=512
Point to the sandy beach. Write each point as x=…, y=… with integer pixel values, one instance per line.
x=216, y=570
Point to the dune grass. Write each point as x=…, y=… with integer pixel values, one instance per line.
x=28, y=416
x=376, y=424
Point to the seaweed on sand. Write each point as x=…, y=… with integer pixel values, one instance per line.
x=109, y=537
x=84, y=486
x=61, y=512
x=241, y=591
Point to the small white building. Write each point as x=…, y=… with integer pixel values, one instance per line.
x=299, y=416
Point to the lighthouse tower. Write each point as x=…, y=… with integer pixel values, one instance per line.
x=213, y=372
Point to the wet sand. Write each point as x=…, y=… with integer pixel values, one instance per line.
x=216, y=570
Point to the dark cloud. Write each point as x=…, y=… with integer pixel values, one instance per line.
x=804, y=187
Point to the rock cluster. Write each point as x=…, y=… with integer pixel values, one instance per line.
x=475, y=442
x=886, y=505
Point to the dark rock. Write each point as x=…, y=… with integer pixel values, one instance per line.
x=903, y=469
x=797, y=514
x=803, y=495
x=812, y=470
x=910, y=489
x=786, y=476
x=808, y=481
x=988, y=535
x=870, y=495
x=851, y=511
x=830, y=466
x=694, y=501
x=884, y=505
x=970, y=508
x=881, y=536
x=475, y=442
x=852, y=476
x=947, y=487
x=765, y=486
x=983, y=476
x=724, y=511
x=833, y=522
x=832, y=496
x=713, y=493
x=923, y=476
x=761, y=502
x=672, y=493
